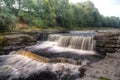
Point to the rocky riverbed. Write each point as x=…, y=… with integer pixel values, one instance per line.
x=24, y=66
x=106, y=69
x=30, y=66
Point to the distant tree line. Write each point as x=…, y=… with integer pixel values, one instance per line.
x=51, y=13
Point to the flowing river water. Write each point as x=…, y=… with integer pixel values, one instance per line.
x=75, y=45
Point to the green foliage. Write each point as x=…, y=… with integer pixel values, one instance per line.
x=27, y=16
x=64, y=13
x=7, y=20
x=2, y=40
x=39, y=23
x=51, y=13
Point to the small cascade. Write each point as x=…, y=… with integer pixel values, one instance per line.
x=64, y=41
x=73, y=41
x=77, y=42
x=67, y=46
x=87, y=43
x=53, y=37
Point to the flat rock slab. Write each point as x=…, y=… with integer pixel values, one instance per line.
x=12, y=42
x=106, y=69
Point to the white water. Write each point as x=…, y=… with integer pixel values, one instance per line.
x=64, y=45
x=77, y=42
x=53, y=47
x=73, y=41
x=13, y=67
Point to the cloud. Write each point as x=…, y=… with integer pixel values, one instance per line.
x=105, y=7
x=115, y=2
x=108, y=7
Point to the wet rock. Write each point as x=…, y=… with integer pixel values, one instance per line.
x=19, y=67
x=49, y=60
x=15, y=42
x=107, y=42
x=43, y=34
x=115, y=55
x=82, y=72
x=107, y=69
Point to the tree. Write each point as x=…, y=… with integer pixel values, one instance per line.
x=64, y=13
x=49, y=12
x=6, y=19
x=45, y=13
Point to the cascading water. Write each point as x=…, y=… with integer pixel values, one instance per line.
x=75, y=46
x=77, y=42
x=72, y=41
x=53, y=37
x=64, y=48
x=64, y=41
x=87, y=43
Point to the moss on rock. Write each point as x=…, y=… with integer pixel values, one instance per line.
x=104, y=78
x=2, y=40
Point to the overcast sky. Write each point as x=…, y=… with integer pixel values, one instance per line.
x=105, y=7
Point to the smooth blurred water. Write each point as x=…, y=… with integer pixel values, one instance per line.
x=83, y=33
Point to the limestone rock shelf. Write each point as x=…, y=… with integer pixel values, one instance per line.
x=108, y=42
x=12, y=42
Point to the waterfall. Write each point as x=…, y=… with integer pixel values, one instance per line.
x=64, y=41
x=72, y=41
x=53, y=37
x=87, y=43
x=67, y=46
x=77, y=42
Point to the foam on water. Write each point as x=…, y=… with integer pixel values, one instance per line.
x=52, y=47
x=24, y=68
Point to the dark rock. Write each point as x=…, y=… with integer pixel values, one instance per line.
x=107, y=42
x=82, y=72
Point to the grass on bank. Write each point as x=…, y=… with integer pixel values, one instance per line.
x=23, y=27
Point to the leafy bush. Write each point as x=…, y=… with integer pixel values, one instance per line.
x=39, y=23
x=2, y=40
x=7, y=20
